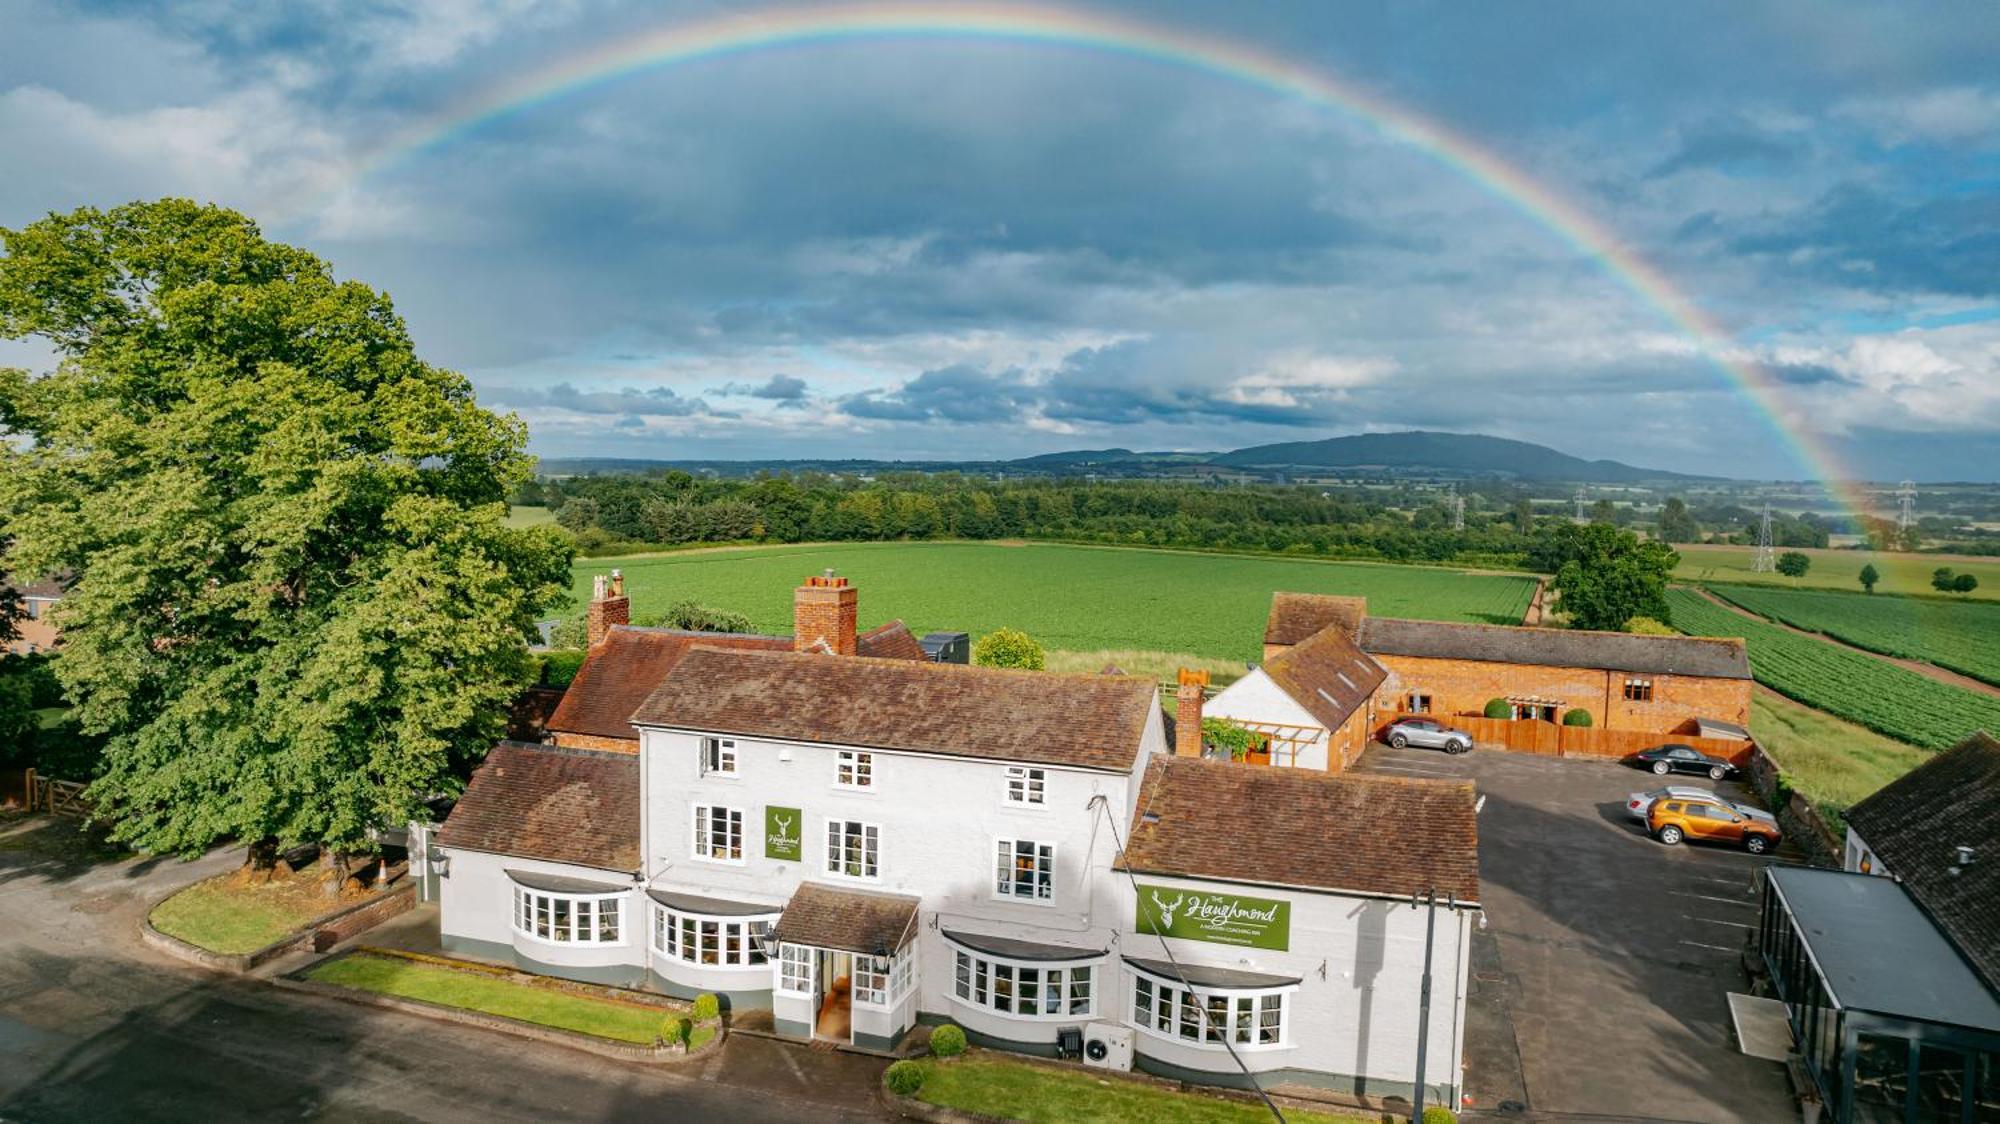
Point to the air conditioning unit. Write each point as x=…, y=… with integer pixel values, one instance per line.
x=1107, y=1046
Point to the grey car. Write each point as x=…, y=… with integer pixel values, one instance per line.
x=1429, y=734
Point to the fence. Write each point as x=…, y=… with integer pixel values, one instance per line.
x=63, y=798
x=1551, y=740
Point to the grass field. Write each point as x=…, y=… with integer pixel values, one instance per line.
x=225, y=915
x=472, y=991
x=1000, y=1088
x=1835, y=763
x=1068, y=597
x=1837, y=569
x=1865, y=690
x=529, y=516
x=1961, y=635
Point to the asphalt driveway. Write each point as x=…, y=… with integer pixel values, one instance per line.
x=1599, y=980
x=94, y=1026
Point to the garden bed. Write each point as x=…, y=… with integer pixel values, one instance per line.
x=236, y=915
x=991, y=1085
x=595, y=1012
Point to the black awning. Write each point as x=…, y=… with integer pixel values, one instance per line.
x=1010, y=949
x=711, y=907
x=1201, y=975
x=558, y=884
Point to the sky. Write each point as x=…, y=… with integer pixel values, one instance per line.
x=938, y=247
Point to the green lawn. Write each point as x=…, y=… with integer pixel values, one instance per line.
x=1835, y=764
x=1958, y=634
x=227, y=916
x=494, y=995
x=1160, y=666
x=529, y=516
x=1068, y=597
x=1049, y=1095
x=1836, y=569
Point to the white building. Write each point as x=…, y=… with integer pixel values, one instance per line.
x=862, y=845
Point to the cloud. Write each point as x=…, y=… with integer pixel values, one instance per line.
x=960, y=395
x=1939, y=116
x=627, y=402
x=777, y=388
x=1732, y=143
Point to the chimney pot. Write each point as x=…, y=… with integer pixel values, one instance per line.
x=609, y=607
x=1188, y=700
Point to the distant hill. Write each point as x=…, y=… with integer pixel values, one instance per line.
x=1420, y=450
x=1084, y=458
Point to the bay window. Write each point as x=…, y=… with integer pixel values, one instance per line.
x=722, y=942
x=1024, y=989
x=1210, y=1017
x=568, y=918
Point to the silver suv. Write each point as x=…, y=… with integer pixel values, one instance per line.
x=1429, y=734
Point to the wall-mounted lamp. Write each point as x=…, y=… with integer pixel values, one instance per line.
x=881, y=963
x=440, y=861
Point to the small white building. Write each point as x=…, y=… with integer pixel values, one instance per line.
x=864, y=845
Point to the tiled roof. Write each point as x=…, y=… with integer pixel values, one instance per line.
x=1295, y=616
x=618, y=674
x=1198, y=818
x=564, y=805
x=44, y=587
x=1556, y=647
x=1092, y=721
x=863, y=921
x=1327, y=674
x=1915, y=825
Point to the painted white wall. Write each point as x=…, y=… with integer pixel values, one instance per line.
x=1256, y=698
x=1857, y=852
x=476, y=902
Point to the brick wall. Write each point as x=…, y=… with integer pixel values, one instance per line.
x=825, y=610
x=1462, y=687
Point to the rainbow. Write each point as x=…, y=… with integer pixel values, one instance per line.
x=1038, y=24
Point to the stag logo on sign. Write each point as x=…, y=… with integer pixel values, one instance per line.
x=782, y=838
x=1199, y=915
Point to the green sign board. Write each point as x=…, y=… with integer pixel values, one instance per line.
x=783, y=832
x=1201, y=915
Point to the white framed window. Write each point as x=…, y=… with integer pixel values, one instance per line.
x=853, y=849
x=795, y=969
x=1212, y=1018
x=718, y=833
x=1024, y=989
x=903, y=977
x=1024, y=869
x=722, y=942
x=568, y=918
x=855, y=769
x=1026, y=786
x=718, y=757
x=871, y=985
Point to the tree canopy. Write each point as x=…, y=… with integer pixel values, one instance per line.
x=1869, y=576
x=297, y=608
x=1605, y=576
x=1008, y=647
x=1794, y=564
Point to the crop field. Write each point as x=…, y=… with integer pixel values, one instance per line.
x=1862, y=689
x=1961, y=635
x=1067, y=597
x=1837, y=569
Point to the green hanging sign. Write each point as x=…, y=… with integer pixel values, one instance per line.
x=1201, y=915
x=783, y=833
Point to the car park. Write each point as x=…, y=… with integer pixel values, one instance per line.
x=1428, y=734
x=1639, y=804
x=1672, y=821
x=1676, y=758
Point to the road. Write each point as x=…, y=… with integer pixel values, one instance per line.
x=94, y=1026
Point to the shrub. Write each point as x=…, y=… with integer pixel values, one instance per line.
x=1438, y=1114
x=1498, y=708
x=559, y=667
x=1576, y=716
x=947, y=1041
x=677, y=1030
x=1008, y=647
x=706, y=1007
x=904, y=1078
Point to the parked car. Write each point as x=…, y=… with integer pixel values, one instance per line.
x=1670, y=821
x=1674, y=758
x=1641, y=803
x=1429, y=734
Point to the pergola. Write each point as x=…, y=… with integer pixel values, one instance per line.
x=1890, y=1021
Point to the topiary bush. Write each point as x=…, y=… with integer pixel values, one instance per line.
x=1576, y=717
x=904, y=1078
x=706, y=1007
x=1499, y=708
x=947, y=1041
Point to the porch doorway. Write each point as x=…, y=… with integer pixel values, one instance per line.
x=836, y=996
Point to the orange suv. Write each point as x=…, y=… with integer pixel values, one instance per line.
x=1671, y=821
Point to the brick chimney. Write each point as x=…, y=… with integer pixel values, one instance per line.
x=1187, y=712
x=823, y=615
x=608, y=606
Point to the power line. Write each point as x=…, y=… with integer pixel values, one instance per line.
x=1764, y=563
x=1906, y=504
x=1579, y=503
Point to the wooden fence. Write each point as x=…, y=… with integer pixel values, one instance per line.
x=1549, y=739
x=63, y=798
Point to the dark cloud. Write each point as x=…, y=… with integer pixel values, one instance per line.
x=628, y=402
x=960, y=395
x=1732, y=144
x=1860, y=238
x=777, y=388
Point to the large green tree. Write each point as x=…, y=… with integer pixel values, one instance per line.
x=1604, y=576
x=298, y=610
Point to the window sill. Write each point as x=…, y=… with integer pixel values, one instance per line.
x=1213, y=1047
x=662, y=956
x=1016, y=1017
x=1021, y=899
x=541, y=940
